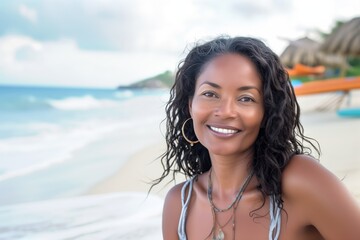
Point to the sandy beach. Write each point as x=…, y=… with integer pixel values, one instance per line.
x=136, y=174
x=338, y=138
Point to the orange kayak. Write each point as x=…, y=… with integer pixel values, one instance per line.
x=329, y=85
x=303, y=70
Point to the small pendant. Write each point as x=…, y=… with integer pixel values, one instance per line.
x=220, y=235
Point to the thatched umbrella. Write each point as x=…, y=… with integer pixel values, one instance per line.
x=345, y=40
x=301, y=51
x=306, y=51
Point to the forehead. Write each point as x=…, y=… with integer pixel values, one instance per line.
x=233, y=68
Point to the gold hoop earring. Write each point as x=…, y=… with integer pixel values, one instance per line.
x=183, y=133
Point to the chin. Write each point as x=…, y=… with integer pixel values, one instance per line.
x=228, y=150
x=221, y=151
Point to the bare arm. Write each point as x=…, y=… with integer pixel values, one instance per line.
x=323, y=199
x=171, y=213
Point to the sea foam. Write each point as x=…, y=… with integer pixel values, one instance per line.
x=52, y=145
x=112, y=216
x=81, y=103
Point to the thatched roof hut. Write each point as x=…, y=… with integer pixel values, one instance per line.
x=306, y=51
x=345, y=40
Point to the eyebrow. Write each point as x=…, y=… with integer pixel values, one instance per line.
x=242, y=88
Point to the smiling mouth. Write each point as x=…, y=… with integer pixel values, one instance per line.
x=226, y=131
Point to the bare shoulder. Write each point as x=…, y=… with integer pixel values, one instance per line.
x=171, y=212
x=322, y=198
x=304, y=173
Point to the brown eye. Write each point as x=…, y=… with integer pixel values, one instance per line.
x=246, y=99
x=209, y=94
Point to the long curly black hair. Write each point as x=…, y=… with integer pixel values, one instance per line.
x=280, y=137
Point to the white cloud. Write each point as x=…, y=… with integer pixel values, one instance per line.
x=150, y=35
x=63, y=63
x=157, y=25
x=28, y=13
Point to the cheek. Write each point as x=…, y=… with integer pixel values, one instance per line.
x=255, y=118
x=197, y=109
x=199, y=114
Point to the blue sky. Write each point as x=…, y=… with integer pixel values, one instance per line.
x=104, y=43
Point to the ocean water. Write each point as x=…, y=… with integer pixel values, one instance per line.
x=52, y=150
x=41, y=128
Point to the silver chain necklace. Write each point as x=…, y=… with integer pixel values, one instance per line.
x=238, y=195
x=220, y=235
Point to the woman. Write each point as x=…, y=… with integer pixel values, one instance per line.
x=233, y=129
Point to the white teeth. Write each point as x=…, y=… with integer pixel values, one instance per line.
x=223, y=130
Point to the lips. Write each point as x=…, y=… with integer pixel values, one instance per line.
x=224, y=130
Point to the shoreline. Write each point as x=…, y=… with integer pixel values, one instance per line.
x=137, y=173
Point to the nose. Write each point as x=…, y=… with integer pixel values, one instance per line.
x=226, y=108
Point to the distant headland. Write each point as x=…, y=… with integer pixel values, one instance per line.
x=163, y=80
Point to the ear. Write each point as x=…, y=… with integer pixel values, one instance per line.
x=190, y=106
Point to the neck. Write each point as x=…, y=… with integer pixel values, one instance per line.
x=228, y=174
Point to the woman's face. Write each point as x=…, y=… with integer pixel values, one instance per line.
x=227, y=106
